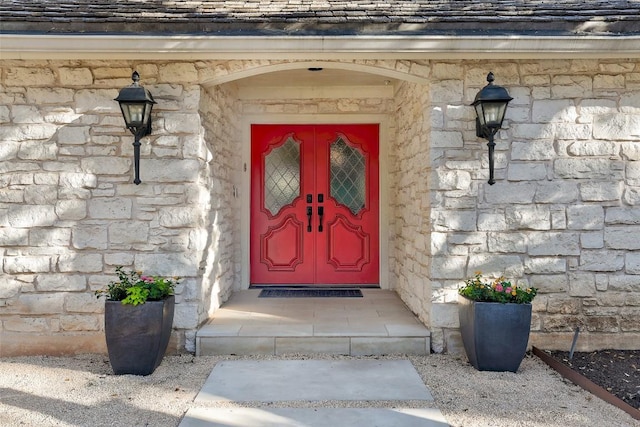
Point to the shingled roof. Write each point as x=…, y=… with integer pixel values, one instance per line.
x=321, y=17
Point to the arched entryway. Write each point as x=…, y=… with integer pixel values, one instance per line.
x=293, y=98
x=318, y=93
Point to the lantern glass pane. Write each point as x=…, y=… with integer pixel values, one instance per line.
x=494, y=113
x=147, y=112
x=125, y=113
x=480, y=113
x=136, y=114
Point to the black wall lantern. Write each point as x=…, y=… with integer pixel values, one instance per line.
x=136, y=103
x=491, y=105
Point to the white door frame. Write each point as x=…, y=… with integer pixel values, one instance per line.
x=245, y=198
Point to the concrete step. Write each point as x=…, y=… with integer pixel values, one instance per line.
x=314, y=393
x=316, y=417
x=378, y=323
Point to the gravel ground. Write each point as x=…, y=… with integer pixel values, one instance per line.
x=82, y=391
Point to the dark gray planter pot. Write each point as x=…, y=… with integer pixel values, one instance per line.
x=137, y=336
x=495, y=335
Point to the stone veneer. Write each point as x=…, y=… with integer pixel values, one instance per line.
x=563, y=215
x=69, y=213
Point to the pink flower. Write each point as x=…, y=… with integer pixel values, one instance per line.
x=146, y=279
x=499, y=288
x=508, y=290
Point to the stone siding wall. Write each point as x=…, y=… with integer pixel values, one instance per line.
x=220, y=112
x=564, y=215
x=410, y=202
x=326, y=106
x=69, y=212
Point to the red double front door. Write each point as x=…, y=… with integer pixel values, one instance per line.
x=314, y=204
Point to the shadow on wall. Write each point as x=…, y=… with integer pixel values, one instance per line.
x=221, y=265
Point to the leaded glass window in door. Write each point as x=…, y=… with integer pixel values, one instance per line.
x=282, y=176
x=348, y=178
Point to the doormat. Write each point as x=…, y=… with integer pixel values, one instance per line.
x=310, y=293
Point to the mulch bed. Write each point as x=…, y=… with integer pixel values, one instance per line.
x=617, y=371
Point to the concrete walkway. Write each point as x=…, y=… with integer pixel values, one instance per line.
x=314, y=393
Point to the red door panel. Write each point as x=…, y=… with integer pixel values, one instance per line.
x=314, y=204
x=347, y=246
x=348, y=252
x=282, y=245
x=281, y=248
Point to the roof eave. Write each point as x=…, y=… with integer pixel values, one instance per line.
x=182, y=47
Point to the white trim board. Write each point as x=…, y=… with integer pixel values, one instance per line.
x=191, y=47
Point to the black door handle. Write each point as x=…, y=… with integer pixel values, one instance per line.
x=309, y=215
x=320, y=214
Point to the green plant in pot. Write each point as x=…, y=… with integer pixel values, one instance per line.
x=495, y=321
x=138, y=317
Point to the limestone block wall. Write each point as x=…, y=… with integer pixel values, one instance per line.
x=221, y=268
x=328, y=106
x=69, y=212
x=410, y=203
x=564, y=215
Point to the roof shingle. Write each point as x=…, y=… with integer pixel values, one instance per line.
x=321, y=17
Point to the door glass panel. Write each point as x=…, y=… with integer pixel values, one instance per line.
x=347, y=176
x=282, y=176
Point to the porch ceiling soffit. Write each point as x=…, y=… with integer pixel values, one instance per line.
x=369, y=80
x=198, y=47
